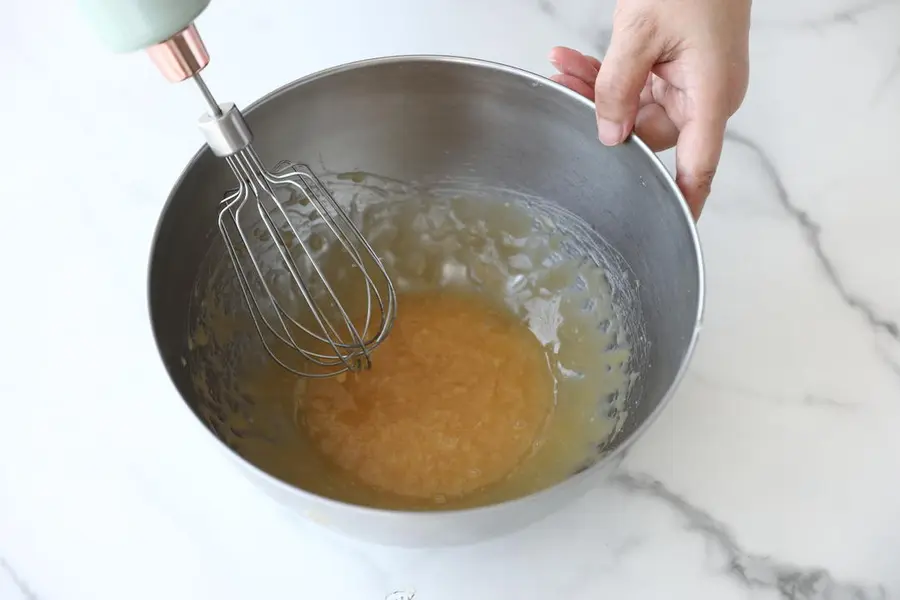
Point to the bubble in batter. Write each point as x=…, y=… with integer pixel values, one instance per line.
x=456, y=399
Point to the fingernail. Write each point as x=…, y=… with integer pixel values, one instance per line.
x=610, y=133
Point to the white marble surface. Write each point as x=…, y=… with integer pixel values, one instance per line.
x=775, y=472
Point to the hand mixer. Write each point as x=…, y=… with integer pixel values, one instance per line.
x=331, y=341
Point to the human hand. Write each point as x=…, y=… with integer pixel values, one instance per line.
x=675, y=71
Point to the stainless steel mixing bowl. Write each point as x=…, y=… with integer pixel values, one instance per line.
x=438, y=118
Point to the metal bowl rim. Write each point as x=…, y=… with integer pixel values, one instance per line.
x=618, y=453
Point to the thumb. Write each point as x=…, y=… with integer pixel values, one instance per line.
x=633, y=50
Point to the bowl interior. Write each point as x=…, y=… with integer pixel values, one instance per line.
x=453, y=127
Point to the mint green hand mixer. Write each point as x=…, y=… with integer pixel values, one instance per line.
x=328, y=343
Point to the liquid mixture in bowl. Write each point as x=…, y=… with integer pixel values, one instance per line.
x=506, y=370
x=457, y=401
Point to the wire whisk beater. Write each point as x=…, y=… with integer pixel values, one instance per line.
x=319, y=296
x=314, y=286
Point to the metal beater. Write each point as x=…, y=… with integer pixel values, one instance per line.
x=330, y=342
x=302, y=322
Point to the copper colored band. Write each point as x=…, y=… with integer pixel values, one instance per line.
x=181, y=56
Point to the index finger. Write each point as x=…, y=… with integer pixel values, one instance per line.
x=574, y=63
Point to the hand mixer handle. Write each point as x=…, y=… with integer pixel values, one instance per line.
x=164, y=28
x=129, y=25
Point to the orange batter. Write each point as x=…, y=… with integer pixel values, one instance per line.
x=457, y=397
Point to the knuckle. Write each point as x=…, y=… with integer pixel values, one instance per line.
x=611, y=91
x=728, y=87
x=702, y=180
x=636, y=23
x=721, y=95
x=740, y=83
x=611, y=108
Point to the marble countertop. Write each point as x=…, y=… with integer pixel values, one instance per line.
x=774, y=473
